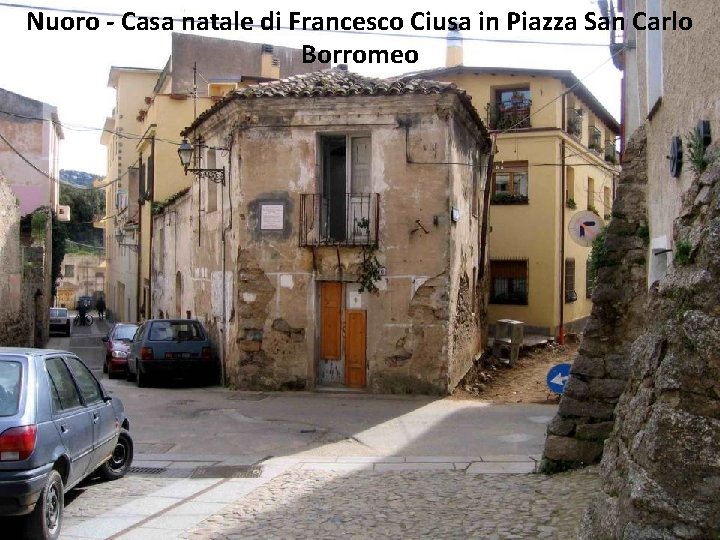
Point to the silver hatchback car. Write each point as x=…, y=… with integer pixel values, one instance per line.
x=57, y=426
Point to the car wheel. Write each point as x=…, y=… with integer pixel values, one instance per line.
x=140, y=378
x=46, y=518
x=129, y=375
x=119, y=463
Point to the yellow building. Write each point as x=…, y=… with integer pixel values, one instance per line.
x=555, y=158
x=121, y=130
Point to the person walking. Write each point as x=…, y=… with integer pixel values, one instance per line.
x=100, y=306
x=82, y=309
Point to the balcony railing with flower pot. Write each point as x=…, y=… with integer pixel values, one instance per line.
x=514, y=114
x=595, y=139
x=574, y=122
x=344, y=219
x=611, y=155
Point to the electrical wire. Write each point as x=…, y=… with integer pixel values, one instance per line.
x=351, y=32
x=62, y=182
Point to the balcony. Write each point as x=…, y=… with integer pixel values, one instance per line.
x=595, y=139
x=343, y=219
x=508, y=115
x=574, y=122
x=611, y=153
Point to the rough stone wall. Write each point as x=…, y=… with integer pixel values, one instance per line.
x=599, y=373
x=15, y=312
x=660, y=470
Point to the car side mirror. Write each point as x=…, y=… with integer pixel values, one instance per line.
x=105, y=339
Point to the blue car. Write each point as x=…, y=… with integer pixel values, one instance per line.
x=57, y=427
x=171, y=348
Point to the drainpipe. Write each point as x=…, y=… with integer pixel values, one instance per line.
x=563, y=182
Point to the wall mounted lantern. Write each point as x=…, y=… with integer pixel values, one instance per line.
x=185, y=152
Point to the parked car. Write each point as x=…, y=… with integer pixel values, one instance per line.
x=171, y=348
x=117, y=347
x=60, y=320
x=57, y=426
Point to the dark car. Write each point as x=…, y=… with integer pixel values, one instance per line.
x=57, y=426
x=171, y=348
x=117, y=348
x=60, y=320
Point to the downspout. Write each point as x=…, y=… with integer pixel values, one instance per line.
x=563, y=187
x=482, y=263
x=223, y=331
x=149, y=305
x=141, y=202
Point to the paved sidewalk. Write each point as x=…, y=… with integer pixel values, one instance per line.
x=185, y=496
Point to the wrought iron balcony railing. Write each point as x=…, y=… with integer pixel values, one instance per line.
x=342, y=219
x=611, y=153
x=509, y=114
x=574, y=122
x=595, y=139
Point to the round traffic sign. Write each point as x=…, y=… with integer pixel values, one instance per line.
x=558, y=377
x=584, y=227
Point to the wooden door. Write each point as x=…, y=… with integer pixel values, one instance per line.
x=330, y=319
x=355, y=343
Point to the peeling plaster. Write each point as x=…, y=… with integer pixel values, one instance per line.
x=249, y=297
x=286, y=281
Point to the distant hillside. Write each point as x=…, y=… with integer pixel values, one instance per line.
x=79, y=178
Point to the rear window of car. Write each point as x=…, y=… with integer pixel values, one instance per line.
x=10, y=379
x=125, y=331
x=58, y=312
x=176, y=331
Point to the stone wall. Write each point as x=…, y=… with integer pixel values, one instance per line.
x=660, y=471
x=599, y=373
x=15, y=313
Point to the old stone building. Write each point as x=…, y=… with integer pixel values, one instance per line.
x=17, y=301
x=343, y=245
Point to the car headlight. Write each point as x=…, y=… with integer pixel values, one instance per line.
x=119, y=354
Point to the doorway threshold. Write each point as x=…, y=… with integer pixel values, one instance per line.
x=340, y=390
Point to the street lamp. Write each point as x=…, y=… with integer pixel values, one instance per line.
x=185, y=152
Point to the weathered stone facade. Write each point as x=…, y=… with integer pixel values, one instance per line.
x=661, y=473
x=600, y=371
x=427, y=154
x=16, y=312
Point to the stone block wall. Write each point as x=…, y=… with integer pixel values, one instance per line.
x=15, y=310
x=599, y=374
x=660, y=470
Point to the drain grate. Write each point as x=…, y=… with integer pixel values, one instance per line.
x=228, y=471
x=147, y=470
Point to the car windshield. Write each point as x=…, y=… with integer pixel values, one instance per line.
x=176, y=331
x=58, y=312
x=124, y=332
x=10, y=377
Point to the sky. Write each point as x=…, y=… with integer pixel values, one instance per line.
x=69, y=68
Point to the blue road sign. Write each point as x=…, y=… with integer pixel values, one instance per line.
x=558, y=377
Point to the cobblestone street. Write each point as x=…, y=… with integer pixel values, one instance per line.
x=406, y=504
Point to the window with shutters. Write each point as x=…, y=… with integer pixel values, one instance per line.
x=510, y=183
x=212, y=187
x=345, y=211
x=570, y=294
x=589, y=279
x=509, y=282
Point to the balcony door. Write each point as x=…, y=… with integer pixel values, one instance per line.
x=345, y=203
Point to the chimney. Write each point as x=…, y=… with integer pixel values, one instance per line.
x=269, y=65
x=454, y=49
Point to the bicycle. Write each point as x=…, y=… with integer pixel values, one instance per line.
x=88, y=320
